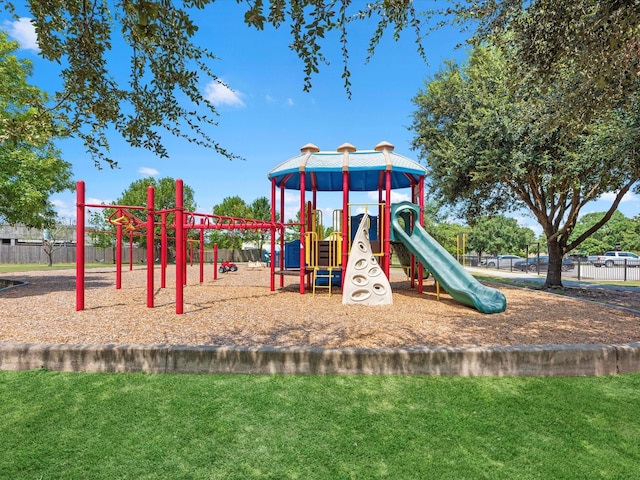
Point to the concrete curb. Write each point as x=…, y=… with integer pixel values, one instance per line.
x=548, y=360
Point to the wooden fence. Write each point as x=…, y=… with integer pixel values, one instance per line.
x=67, y=254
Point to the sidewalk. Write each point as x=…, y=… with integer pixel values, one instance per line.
x=534, y=278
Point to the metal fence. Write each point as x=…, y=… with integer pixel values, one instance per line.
x=585, y=271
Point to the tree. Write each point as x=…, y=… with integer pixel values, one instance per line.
x=101, y=232
x=498, y=234
x=260, y=210
x=490, y=146
x=55, y=237
x=136, y=196
x=167, y=66
x=619, y=230
x=599, y=39
x=31, y=169
x=449, y=235
x=232, y=239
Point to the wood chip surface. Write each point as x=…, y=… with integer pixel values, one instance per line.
x=239, y=309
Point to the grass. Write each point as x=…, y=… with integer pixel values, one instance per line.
x=97, y=425
x=520, y=282
x=34, y=267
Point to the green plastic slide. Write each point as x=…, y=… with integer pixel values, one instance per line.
x=442, y=265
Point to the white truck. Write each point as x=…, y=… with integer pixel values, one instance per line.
x=609, y=259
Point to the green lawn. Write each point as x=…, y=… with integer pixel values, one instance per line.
x=508, y=281
x=96, y=425
x=32, y=267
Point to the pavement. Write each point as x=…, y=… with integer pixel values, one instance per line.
x=536, y=279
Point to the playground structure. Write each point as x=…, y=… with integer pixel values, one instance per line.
x=318, y=262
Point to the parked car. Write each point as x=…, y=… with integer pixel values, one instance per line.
x=501, y=261
x=541, y=263
x=609, y=259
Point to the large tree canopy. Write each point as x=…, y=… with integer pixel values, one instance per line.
x=486, y=136
x=599, y=40
x=31, y=169
x=619, y=231
x=163, y=91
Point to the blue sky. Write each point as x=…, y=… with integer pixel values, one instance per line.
x=266, y=116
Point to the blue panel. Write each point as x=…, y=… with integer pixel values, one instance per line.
x=292, y=254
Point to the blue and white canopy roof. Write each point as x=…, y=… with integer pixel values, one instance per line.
x=323, y=170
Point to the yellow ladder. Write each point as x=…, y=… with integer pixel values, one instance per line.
x=325, y=258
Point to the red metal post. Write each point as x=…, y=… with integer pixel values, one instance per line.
x=345, y=223
x=303, y=268
x=387, y=223
x=283, y=220
x=150, y=243
x=119, y=253
x=201, y=251
x=163, y=251
x=272, y=251
x=180, y=253
x=80, y=211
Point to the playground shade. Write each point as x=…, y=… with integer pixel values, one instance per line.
x=323, y=171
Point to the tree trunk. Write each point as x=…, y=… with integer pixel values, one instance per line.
x=554, y=273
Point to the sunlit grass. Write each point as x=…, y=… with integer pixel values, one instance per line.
x=96, y=425
x=33, y=267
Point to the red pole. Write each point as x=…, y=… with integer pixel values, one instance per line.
x=283, y=220
x=215, y=261
x=150, y=243
x=272, y=250
x=201, y=251
x=345, y=223
x=387, y=223
x=163, y=251
x=180, y=263
x=119, y=253
x=303, y=268
x=80, y=245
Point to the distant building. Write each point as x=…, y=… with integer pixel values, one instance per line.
x=20, y=235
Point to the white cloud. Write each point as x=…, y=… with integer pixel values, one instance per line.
x=23, y=31
x=528, y=222
x=628, y=197
x=270, y=99
x=148, y=172
x=219, y=94
x=98, y=201
x=290, y=102
x=64, y=209
x=396, y=197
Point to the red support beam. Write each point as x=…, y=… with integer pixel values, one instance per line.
x=80, y=219
x=180, y=252
x=201, y=252
x=151, y=223
x=303, y=268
